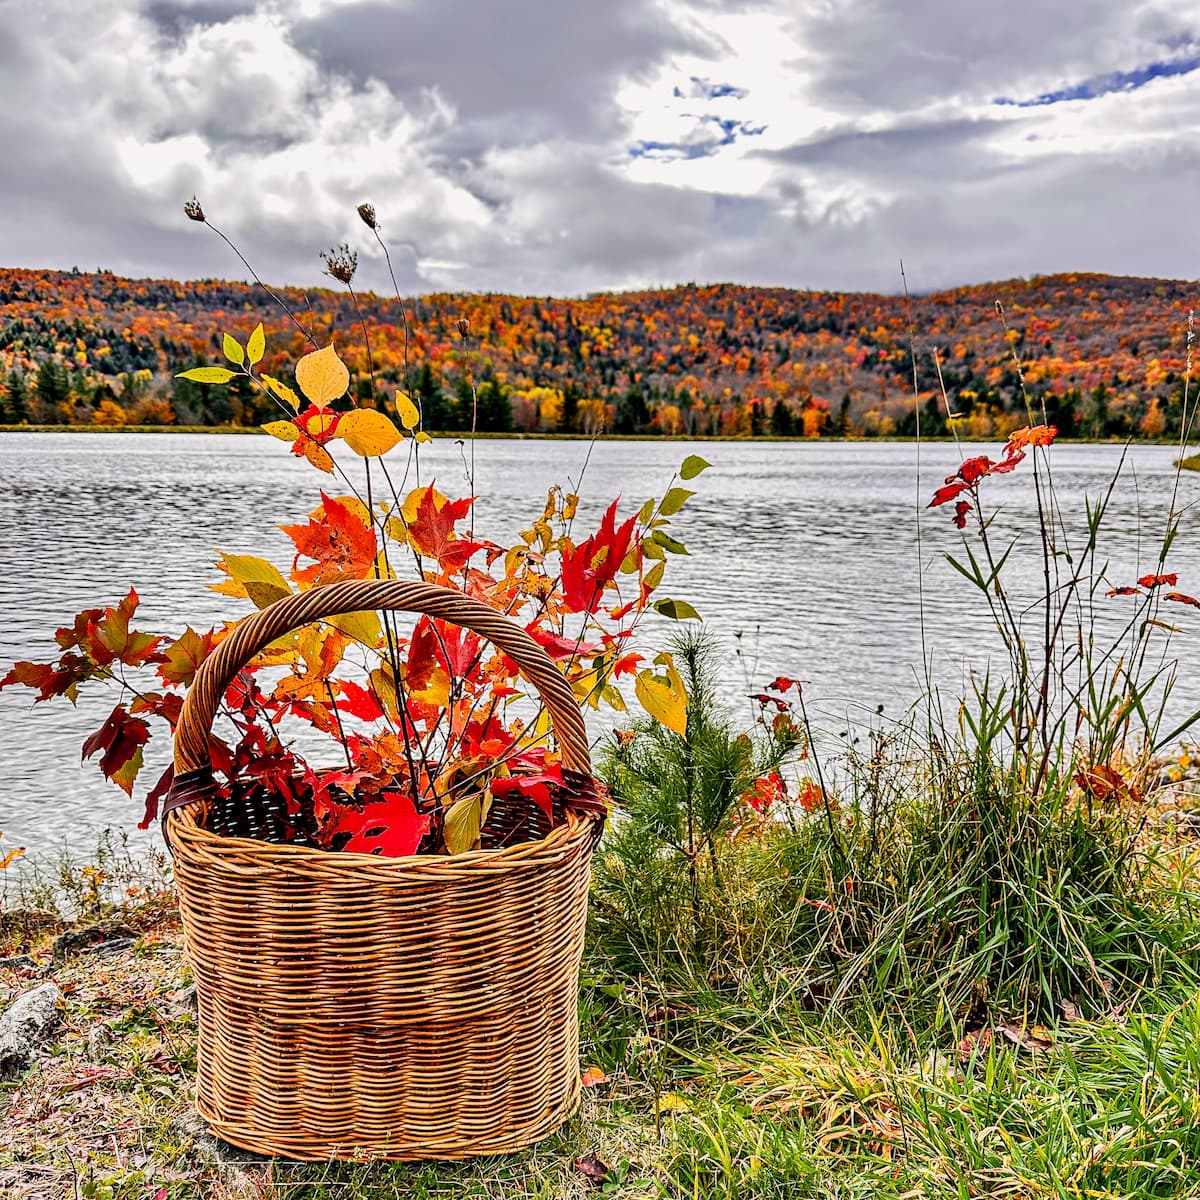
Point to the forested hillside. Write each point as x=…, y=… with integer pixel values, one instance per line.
x=1106, y=355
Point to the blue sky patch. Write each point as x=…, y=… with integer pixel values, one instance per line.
x=724, y=131
x=1115, y=81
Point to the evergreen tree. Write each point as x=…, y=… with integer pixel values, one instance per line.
x=198, y=403
x=18, y=397
x=495, y=407
x=570, y=409
x=756, y=418
x=782, y=424
x=436, y=412
x=464, y=406
x=1097, y=425
x=52, y=386
x=632, y=413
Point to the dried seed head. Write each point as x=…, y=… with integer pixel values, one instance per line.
x=193, y=210
x=463, y=326
x=341, y=262
x=367, y=212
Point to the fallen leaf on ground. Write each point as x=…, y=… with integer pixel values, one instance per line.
x=596, y=1169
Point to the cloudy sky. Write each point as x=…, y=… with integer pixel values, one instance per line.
x=567, y=146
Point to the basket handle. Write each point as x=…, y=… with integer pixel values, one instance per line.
x=192, y=762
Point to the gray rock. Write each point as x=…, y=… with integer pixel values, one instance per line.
x=25, y=1025
x=99, y=1038
x=106, y=938
x=18, y=962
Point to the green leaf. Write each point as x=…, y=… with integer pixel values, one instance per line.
x=256, y=347
x=667, y=542
x=461, y=828
x=673, y=501
x=692, y=466
x=207, y=374
x=233, y=350
x=654, y=576
x=677, y=610
x=646, y=511
x=256, y=578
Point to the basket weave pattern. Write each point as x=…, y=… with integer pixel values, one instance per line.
x=351, y=1005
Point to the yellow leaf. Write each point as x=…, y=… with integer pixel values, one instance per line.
x=319, y=457
x=319, y=424
x=397, y=530
x=664, y=699
x=281, y=390
x=359, y=627
x=436, y=691
x=257, y=345
x=367, y=432
x=406, y=410
x=408, y=510
x=422, y=437
x=285, y=431
x=259, y=580
x=461, y=828
x=322, y=376
x=233, y=350
x=384, y=686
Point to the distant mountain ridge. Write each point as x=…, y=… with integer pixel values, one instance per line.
x=1105, y=355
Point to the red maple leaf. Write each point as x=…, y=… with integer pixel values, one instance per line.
x=359, y=701
x=110, y=638
x=50, y=679
x=1126, y=591
x=960, y=514
x=432, y=531
x=182, y=658
x=338, y=541
x=559, y=647
x=155, y=794
x=781, y=683
x=1149, y=581
x=764, y=793
x=945, y=494
x=119, y=742
x=390, y=827
x=1180, y=598
x=587, y=569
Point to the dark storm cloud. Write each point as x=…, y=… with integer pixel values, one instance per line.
x=176, y=18
x=515, y=71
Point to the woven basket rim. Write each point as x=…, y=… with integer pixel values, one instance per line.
x=187, y=830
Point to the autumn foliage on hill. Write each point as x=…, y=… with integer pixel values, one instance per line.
x=1106, y=356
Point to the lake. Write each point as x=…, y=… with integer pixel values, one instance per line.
x=804, y=561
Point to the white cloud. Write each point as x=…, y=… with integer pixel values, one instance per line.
x=537, y=146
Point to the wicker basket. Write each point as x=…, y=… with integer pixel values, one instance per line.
x=403, y=1008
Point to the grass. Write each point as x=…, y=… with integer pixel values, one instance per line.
x=874, y=1050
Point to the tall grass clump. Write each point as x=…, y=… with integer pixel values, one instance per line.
x=995, y=853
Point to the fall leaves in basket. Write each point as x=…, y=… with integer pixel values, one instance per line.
x=439, y=748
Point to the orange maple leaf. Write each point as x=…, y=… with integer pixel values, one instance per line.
x=340, y=544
